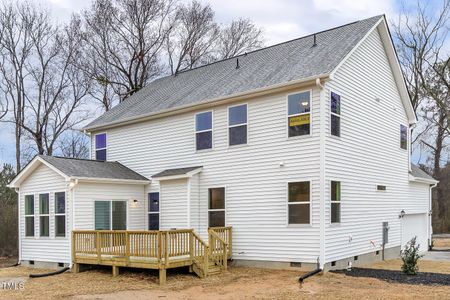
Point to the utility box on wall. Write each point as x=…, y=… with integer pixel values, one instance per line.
x=385, y=233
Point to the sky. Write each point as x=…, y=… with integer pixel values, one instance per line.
x=280, y=20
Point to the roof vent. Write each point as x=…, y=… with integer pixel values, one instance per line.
x=237, y=63
x=314, y=43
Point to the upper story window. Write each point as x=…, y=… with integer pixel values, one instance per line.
x=299, y=200
x=203, y=130
x=335, y=109
x=403, y=137
x=299, y=114
x=237, y=125
x=100, y=146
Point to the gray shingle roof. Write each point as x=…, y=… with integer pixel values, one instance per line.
x=419, y=173
x=87, y=168
x=293, y=60
x=175, y=172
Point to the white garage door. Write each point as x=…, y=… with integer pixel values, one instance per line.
x=415, y=225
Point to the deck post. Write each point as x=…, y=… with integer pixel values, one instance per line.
x=162, y=276
x=115, y=271
x=98, y=246
x=127, y=247
x=230, y=241
x=73, y=247
x=191, y=245
x=75, y=268
x=166, y=251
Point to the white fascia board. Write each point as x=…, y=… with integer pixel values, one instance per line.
x=181, y=176
x=207, y=104
x=422, y=180
x=110, y=180
x=29, y=169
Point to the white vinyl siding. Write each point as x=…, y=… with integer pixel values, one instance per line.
x=254, y=179
x=51, y=248
x=174, y=204
x=368, y=154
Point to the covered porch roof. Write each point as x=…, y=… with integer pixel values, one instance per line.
x=178, y=173
x=82, y=170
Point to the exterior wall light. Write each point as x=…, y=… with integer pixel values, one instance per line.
x=134, y=203
x=402, y=214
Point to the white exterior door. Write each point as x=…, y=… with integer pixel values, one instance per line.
x=415, y=225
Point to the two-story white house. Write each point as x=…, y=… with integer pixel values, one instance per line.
x=302, y=147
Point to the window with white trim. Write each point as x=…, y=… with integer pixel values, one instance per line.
x=335, y=117
x=237, y=125
x=60, y=214
x=29, y=215
x=403, y=137
x=299, y=114
x=299, y=202
x=203, y=130
x=216, y=207
x=335, y=201
x=110, y=215
x=100, y=146
x=153, y=211
x=44, y=215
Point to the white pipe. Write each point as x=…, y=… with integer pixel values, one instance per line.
x=72, y=219
x=430, y=214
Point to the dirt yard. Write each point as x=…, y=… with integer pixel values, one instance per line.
x=441, y=243
x=237, y=283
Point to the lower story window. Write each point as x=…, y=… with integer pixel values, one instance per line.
x=153, y=211
x=335, y=202
x=29, y=215
x=110, y=215
x=44, y=217
x=299, y=202
x=216, y=207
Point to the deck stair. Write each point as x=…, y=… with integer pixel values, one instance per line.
x=162, y=250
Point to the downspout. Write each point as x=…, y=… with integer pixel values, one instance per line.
x=322, y=118
x=71, y=187
x=430, y=217
x=19, y=232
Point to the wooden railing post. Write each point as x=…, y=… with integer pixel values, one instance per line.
x=166, y=249
x=98, y=246
x=73, y=248
x=191, y=245
x=230, y=240
x=159, y=247
x=127, y=247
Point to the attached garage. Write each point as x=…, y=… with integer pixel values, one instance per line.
x=415, y=225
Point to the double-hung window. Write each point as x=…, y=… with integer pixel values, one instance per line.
x=110, y=215
x=60, y=214
x=203, y=130
x=44, y=217
x=237, y=125
x=403, y=137
x=100, y=146
x=299, y=114
x=299, y=202
x=335, y=117
x=153, y=211
x=29, y=215
x=216, y=207
x=335, y=201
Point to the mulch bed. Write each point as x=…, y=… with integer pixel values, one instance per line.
x=398, y=276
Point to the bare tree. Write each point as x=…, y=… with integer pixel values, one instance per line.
x=40, y=77
x=241, y=36
x=123, y=39
x=74, y=144
x=192, y=40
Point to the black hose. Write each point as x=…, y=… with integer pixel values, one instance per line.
x=49, y=274
x=14, y=265
x=309, y=274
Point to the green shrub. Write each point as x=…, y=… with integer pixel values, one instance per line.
x=410, y=256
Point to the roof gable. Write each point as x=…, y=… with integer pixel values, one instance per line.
x=81, y=169
x=283, y=63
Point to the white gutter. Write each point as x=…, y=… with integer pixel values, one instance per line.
x=430, y=215
x=322, y=118
x=110, y=180
x=216, y=101
x=19, y=234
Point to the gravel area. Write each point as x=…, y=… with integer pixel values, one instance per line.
x=398, y=276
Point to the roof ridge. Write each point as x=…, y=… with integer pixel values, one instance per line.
x=77, y=158
x=268, y=47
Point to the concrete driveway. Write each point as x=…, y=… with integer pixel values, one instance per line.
x=439, y=255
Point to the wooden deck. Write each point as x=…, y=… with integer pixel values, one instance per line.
x=160, y=250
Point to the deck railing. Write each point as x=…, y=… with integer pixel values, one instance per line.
x=153, y=249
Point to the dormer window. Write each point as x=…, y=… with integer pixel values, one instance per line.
x=100, y=146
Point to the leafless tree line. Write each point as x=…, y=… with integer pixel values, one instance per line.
x=424, y=53
x=51, y=76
